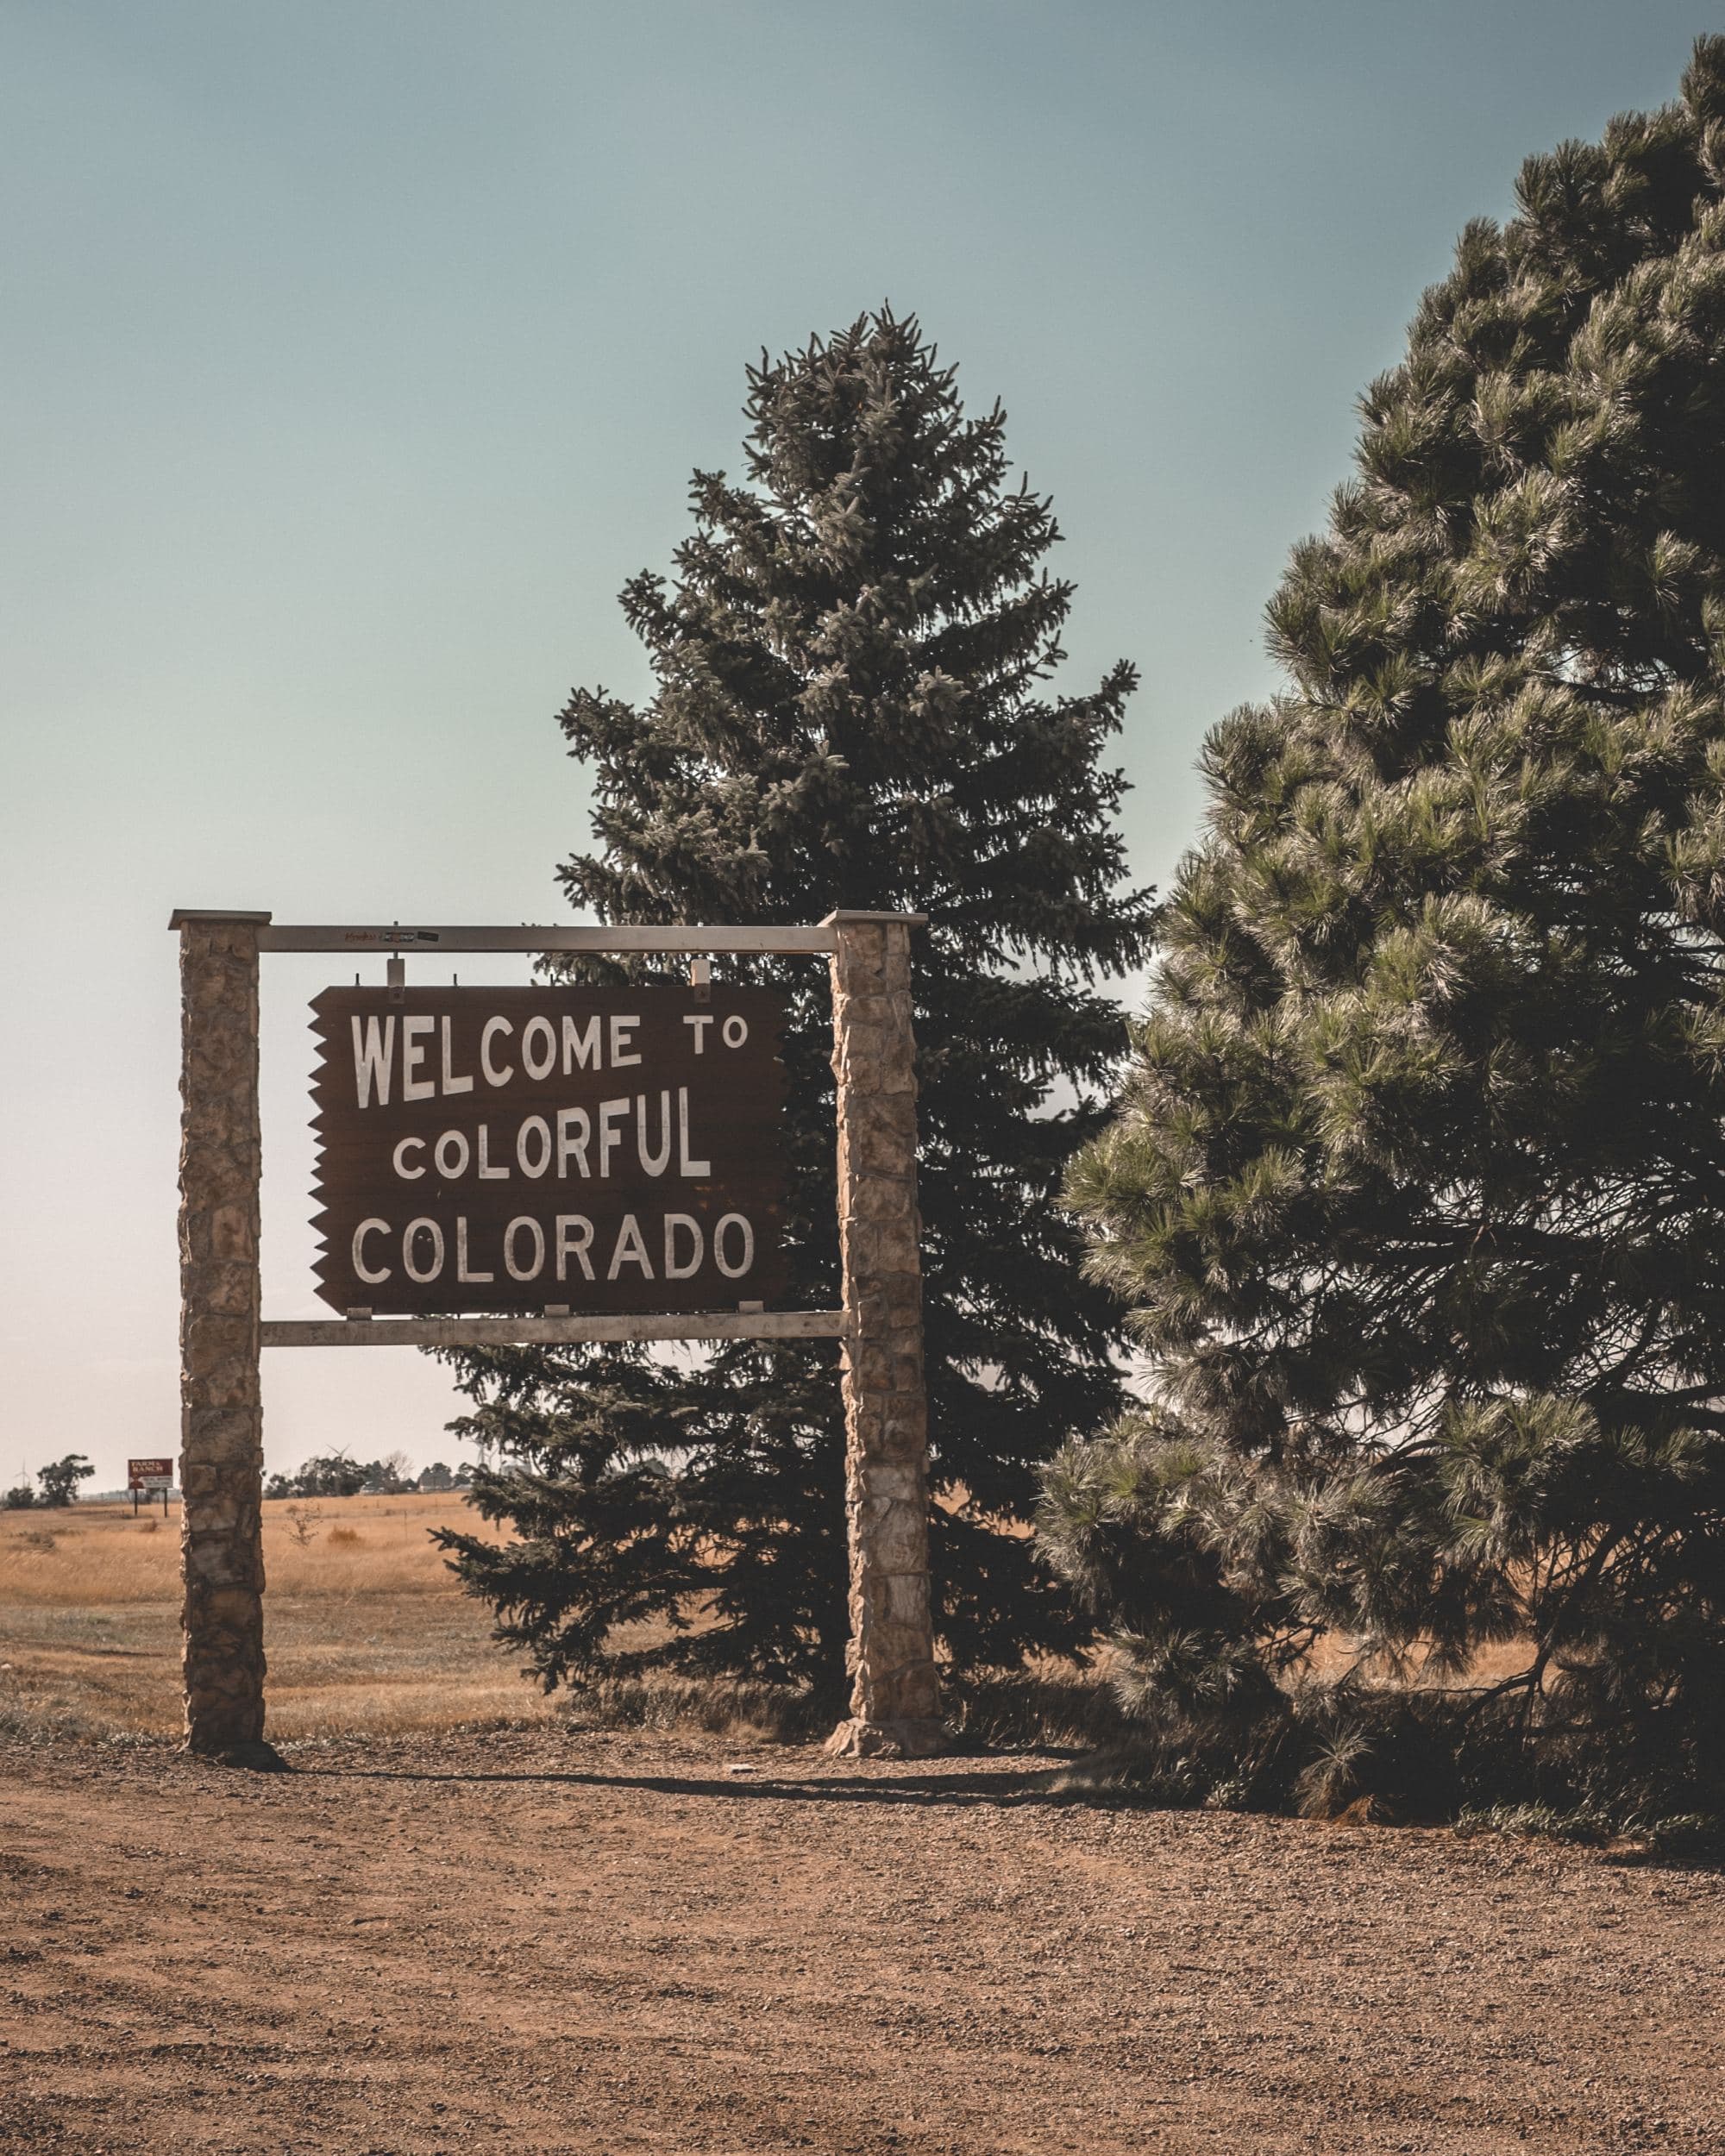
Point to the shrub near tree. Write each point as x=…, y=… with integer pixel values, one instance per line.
x=1419, y=1186
x=851, y=709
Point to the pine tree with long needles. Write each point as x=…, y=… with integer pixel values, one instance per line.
x=1418, y=1192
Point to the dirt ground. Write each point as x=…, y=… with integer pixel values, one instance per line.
x=561, y=1941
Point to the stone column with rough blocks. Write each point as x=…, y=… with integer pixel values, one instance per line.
x=221, y=1464
x=895, y=1700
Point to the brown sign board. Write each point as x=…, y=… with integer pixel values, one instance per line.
x=152, y=1475
x=601, y=1150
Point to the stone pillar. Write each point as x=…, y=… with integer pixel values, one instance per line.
x=894, y=1701
x=220, y=1464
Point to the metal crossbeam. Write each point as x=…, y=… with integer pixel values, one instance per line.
x=430, y=942
x=718, y=1325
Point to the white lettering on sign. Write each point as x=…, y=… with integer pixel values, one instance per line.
x=512, y=1263
x=372, y=1056
x=408, y=1234
x=537, y=1060
x=525, y=1246
x=493, y=1076
x=451, y=1083
x=676, y=1269
x=574, y=1128
x=412, y=1054
x=745, y=1239
x=656, y=1131
x=539, y=1159
x=629, y=1251
x=574, y=1239
x=581, y=1050
x=610, y=1112
x=687, y=1163
x=655, y=1164
x=473, y=1280
x=365, y=1228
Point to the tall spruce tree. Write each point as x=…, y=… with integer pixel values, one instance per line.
x=850, y=711
x=1419, y=1186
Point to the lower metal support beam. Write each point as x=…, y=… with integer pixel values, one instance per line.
x=459, y=1332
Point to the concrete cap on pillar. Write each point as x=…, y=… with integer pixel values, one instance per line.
x=182, y=914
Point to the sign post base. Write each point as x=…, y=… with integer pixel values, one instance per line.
x=257, y=1756
x=927, y=1738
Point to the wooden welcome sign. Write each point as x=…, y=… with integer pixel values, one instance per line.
x=502, y=1167
x=549, y=1150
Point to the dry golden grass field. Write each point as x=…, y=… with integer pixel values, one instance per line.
x=366, y=1631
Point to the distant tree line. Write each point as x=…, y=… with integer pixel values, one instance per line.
x=338, y=1475
x=326, y=1474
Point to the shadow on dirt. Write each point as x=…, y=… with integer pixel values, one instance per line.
x=1035, y=1786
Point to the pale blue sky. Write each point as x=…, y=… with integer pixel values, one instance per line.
x=356, y=354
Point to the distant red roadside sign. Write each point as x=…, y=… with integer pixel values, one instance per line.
x=150, y=1475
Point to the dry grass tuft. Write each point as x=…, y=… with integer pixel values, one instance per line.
x=1056, y=1706
x=722, y=1707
